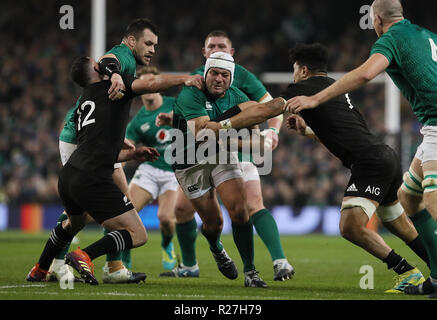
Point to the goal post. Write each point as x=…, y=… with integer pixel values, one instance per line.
x=98, y=28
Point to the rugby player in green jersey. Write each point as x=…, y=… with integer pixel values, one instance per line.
x=202, y=179
x=408, y=53
x=137, y=47
x=154, y=180
x=262, y=219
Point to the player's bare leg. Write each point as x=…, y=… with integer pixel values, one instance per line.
x=234, y=199
x=209, y=211
x=267, y=229
x=417, y=198
x=167, y=223
x=119, y=261
x=353, y=223
x=430, y=187
x=186, y=231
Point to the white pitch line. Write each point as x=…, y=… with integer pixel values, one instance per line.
x=23, y=286
x=164, y=296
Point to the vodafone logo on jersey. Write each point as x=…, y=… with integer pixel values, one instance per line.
x=162, y=136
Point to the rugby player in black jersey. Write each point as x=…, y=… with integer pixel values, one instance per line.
x=375, y=168
x=85, y=182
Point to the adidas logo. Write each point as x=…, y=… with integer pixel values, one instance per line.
x=352, y=188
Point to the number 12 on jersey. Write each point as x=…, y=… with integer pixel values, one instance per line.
x=86, y=119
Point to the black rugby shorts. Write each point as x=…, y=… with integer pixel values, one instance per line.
x=82, y=191
x=376, y=174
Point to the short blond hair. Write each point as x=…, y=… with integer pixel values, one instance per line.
x=147, y=70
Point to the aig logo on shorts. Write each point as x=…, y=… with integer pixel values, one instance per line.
x=373, y=190
x=162, y=136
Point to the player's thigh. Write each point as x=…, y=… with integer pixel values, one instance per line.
x=228, y=180
x=139, y=196
x=166, y=207
x=184, y=210
x=208, y=208
x=410, y=194
x=356, y=213
x=233, y=196
x=129, y=221
x=252, y=184
x=254, y=196
x=119, y=178
x=195, y=182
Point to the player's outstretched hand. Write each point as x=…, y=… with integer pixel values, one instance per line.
x=195, y=81
x=117, y=89
x=210, y=125
x=295, y=122
x=297, y=104
x=146, y=154
x=164, y=119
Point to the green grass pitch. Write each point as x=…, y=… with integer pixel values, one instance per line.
x=327, y=268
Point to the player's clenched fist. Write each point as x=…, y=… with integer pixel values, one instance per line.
x=195, y=81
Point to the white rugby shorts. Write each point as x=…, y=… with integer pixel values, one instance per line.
x=154, y=180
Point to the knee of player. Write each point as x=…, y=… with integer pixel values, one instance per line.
x=349, y=227
x=139, y=238
x=239, y=213
x=213, y=225
x=349, y=230
x=166, y=219
x=182, y=213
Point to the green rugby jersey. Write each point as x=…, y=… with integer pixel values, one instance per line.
x=412, y=53
x=245, y=81
x=142, y=129
x=128, y=66
x=193, y=103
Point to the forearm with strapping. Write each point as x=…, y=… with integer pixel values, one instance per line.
x=258, y=113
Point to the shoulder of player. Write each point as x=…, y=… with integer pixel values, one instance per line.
x=119, y=48
x=188, y=92
x=237, y=92
x=198, y=70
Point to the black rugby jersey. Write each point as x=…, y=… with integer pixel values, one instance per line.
x=337, y=123
x=101, y=126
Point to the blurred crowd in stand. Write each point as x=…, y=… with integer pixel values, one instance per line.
x=36, y=90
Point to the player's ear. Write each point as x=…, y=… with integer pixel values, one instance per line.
x=232, y=51
x=131, y=41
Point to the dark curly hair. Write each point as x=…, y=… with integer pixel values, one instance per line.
x=313, y=56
